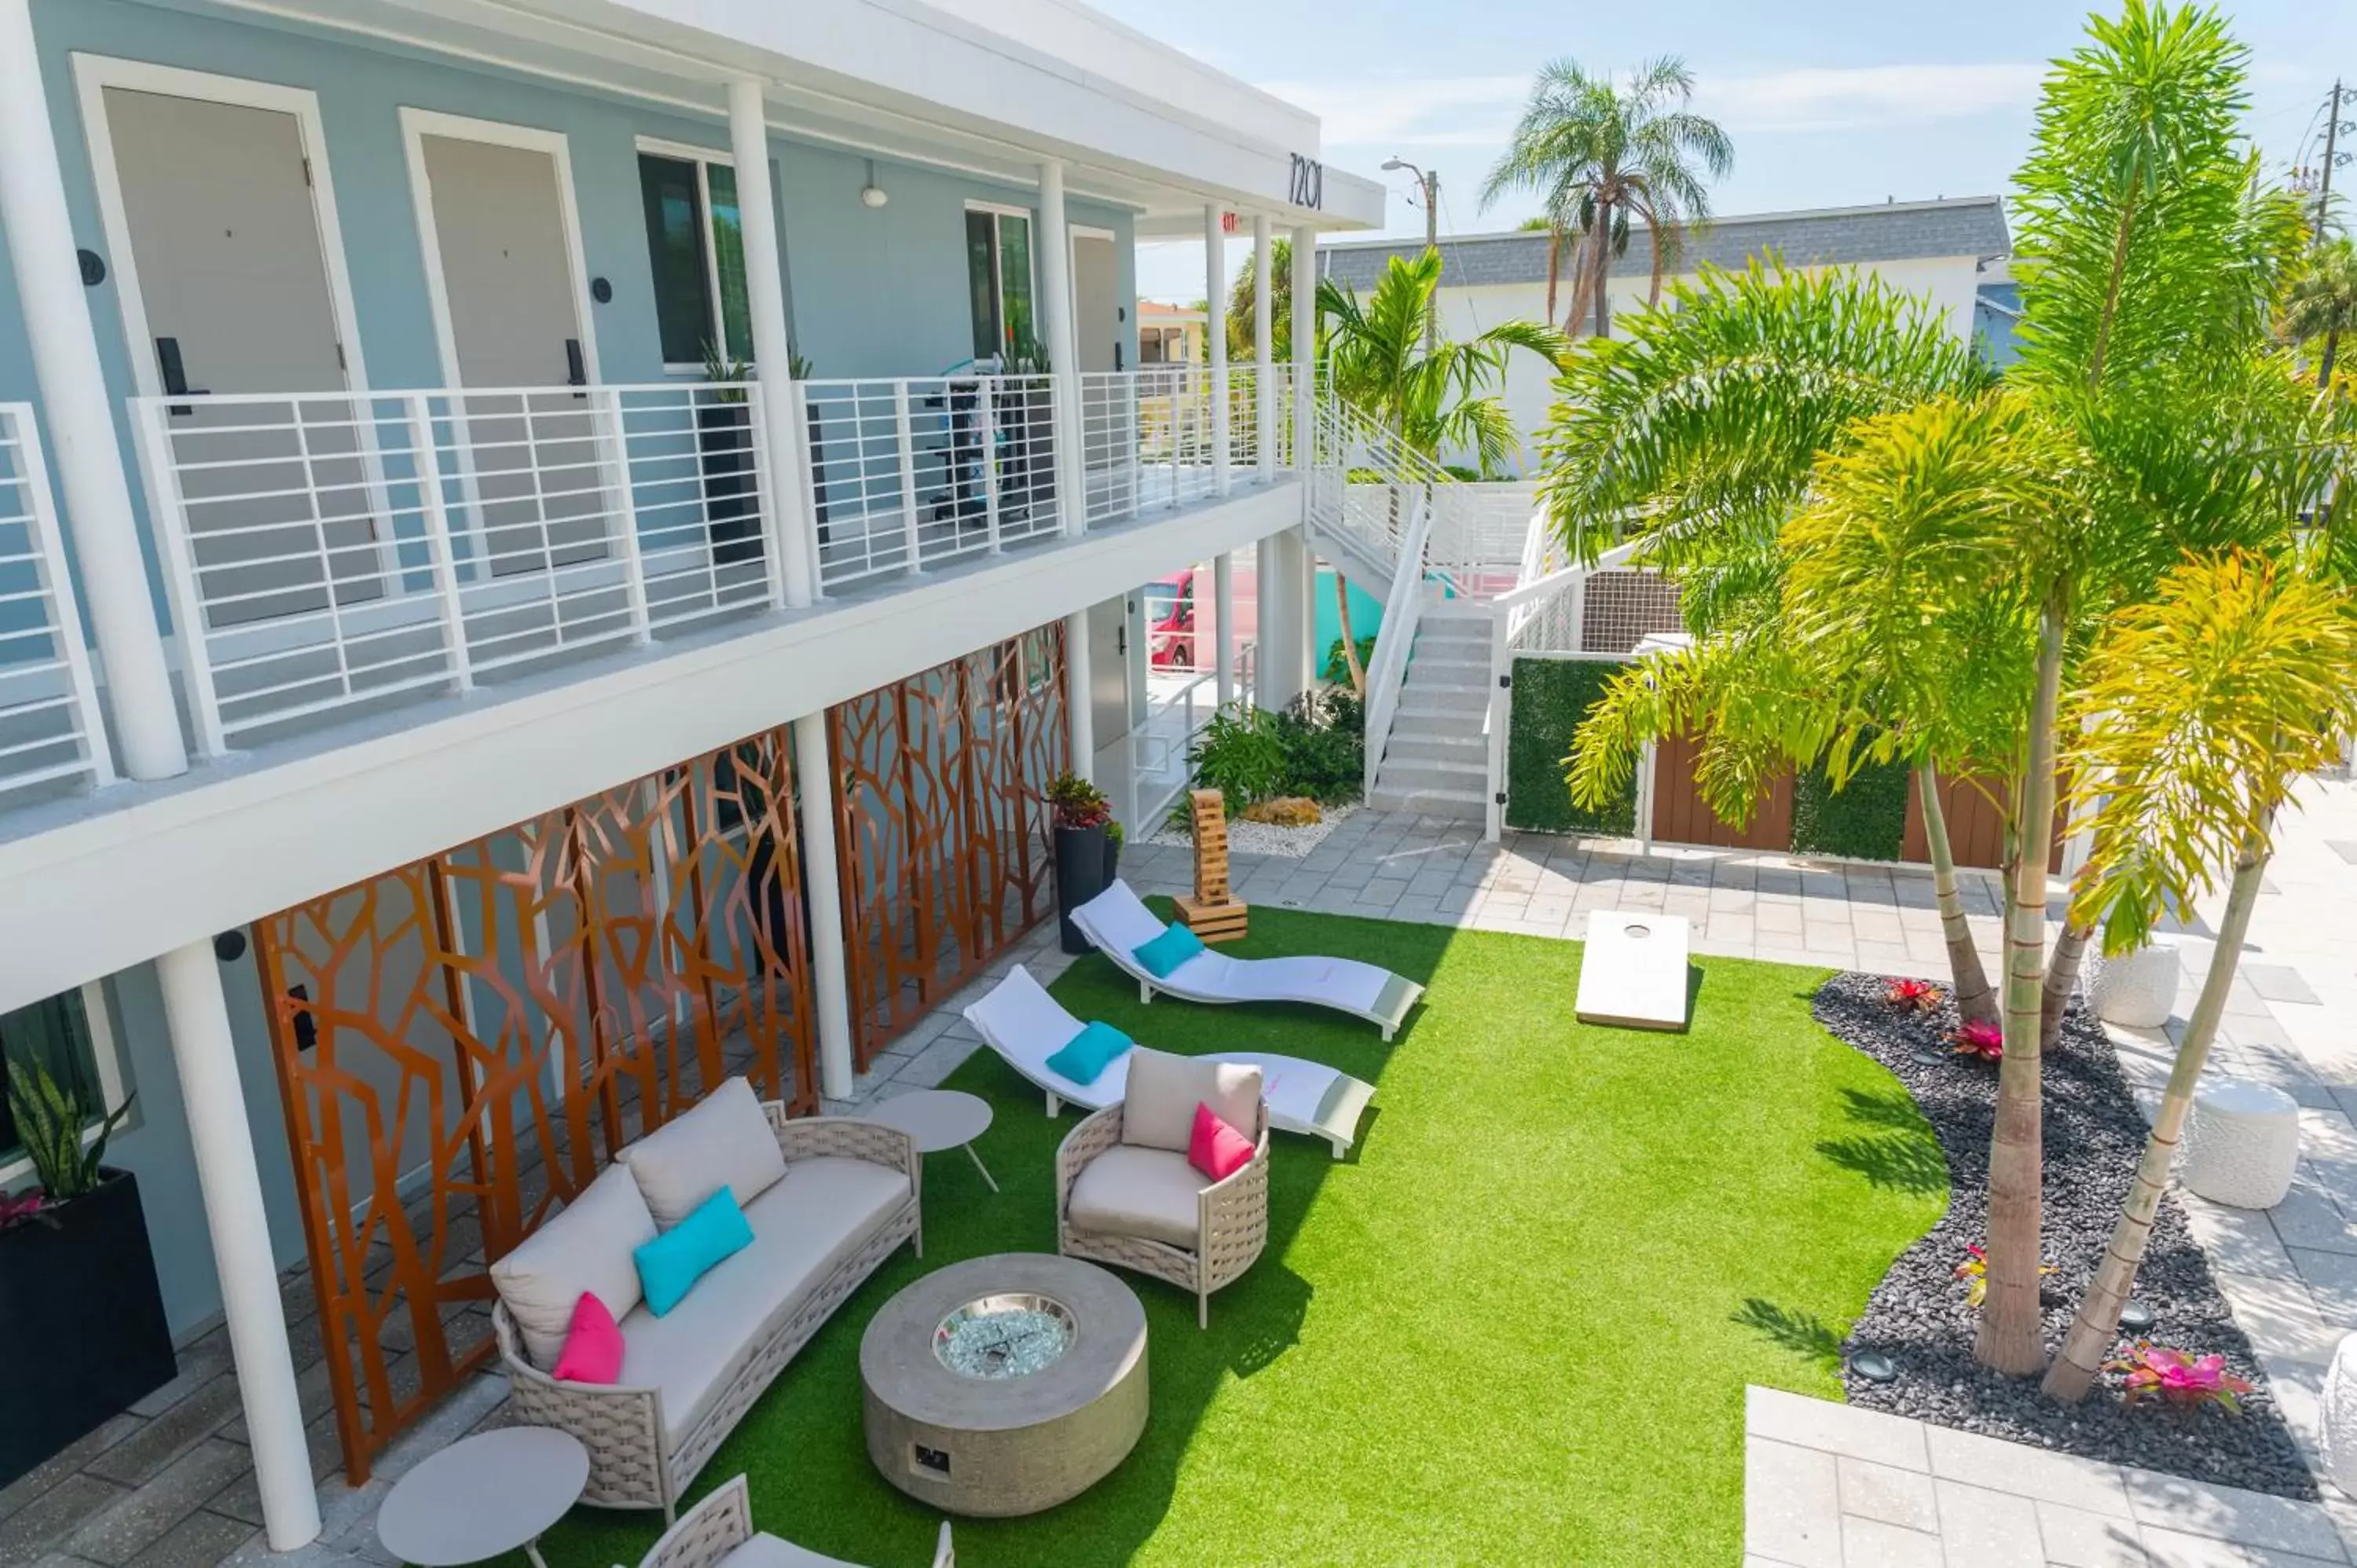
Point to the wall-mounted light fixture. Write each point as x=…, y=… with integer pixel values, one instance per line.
x=872, y=194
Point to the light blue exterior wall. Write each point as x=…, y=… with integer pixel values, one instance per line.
x=873, y=292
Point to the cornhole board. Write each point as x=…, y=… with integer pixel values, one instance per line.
x=1633, y=972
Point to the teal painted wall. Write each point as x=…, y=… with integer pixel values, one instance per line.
x=873, y=292
x=1366, y=616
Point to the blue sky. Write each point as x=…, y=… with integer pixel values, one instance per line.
x=1829, y=101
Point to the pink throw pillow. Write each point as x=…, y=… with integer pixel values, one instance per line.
x=1216, y=1149
x=593, y=1345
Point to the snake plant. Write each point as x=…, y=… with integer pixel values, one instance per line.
x=50, y=1120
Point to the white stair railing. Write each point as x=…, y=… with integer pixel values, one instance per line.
x=50, y=725
x=1395, y=638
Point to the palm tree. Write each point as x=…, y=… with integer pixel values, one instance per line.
x=1431, y=401
x=2323, y=301
x=2225, y=690
x=1597, y=153
x=2131, y=432
x=1241, y=319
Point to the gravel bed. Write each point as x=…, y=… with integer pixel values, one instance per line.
x=1264, y=838
x=2093, y=1134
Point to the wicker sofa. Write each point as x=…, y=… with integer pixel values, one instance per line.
x=846, y=1197
x=719, y=1530
x=1126, y=1195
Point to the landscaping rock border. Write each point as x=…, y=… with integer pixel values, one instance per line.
x=2093, y=1134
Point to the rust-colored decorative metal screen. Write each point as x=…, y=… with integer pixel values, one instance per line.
x=463, y=1042
x=941, y=823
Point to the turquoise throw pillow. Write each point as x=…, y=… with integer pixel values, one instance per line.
x=1089, y=1053
x=1165, y=953
x=671, y=1263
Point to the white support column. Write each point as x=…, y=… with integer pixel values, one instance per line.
x=1053, y=246
x=1264, y=346
x=1215, y=339
x=823, y=912
x=765, y=298
x=88, y=462
x=197, y=1016
x=1224, y=624
x=1304, y=348
x=1297, y=662
x=1269, y=612
x=1076, y=695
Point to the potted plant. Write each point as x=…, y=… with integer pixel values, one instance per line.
x=79, y=1306
x=1085, y=848
x=724, y=451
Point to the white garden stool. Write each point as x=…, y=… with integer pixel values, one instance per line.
x=2242, y=1144
x=2137, y=989
x=2341, y=1417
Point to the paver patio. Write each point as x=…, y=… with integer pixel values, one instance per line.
x=167, y=1485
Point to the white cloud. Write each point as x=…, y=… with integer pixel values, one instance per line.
x=1481, y=110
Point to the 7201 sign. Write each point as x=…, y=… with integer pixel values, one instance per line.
x=1308, y=182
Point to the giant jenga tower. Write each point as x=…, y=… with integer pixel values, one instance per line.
x=1214, y=913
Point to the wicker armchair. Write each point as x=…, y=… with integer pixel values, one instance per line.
x=1231, y=1216
x=709, y=1532
x=634, y=1460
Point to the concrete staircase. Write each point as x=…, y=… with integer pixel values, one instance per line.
x=1437, y=761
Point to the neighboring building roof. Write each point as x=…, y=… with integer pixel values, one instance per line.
x=1833, y=236
x=1161, y=312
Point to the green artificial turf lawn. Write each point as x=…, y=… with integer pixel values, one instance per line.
x=1513, y=1327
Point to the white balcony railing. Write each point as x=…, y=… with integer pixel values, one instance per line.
x=912, y=474
x=50, y=734
x=330, y=550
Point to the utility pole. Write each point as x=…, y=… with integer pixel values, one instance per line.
x=2332, y=135
x=1429, y=184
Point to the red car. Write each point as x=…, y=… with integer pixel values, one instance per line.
x=1170, y=621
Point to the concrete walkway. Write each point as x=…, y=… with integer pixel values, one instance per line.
x=168, y=1486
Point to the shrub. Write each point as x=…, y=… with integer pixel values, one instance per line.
x=1077, y=803
x=1242, y=755
x=1317, y=748
x=1865, y=819
x=1338, y=668
x=1551, y=697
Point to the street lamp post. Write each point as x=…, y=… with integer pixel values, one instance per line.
x=1430, y=185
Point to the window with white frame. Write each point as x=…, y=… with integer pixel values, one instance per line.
x=71, y=1036
x=695, y=244
x=999, y=277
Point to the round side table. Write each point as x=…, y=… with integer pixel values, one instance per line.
x=482, y=1496
x=938, y=1119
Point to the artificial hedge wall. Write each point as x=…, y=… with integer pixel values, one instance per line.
x=1551, y=697
x=1864, y=821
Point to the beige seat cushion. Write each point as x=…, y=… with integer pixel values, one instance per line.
x=803, y=1228
x=1129, y=1191
x=1164, y=1090
x=586, y=1246
x=725, y=1141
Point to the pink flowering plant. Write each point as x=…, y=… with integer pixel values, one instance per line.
x=17, y=1208
x=1981, y=1039
x=2156, y=1371
x=1912, y=995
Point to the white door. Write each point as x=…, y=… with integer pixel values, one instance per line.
x=1108, y=671
x=504, y=258
x=231, y=277
x=1096, y=302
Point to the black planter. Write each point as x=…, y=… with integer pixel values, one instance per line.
x=1112, y=858
x=732, y=506
x=1083, y=867
x=82, y=1319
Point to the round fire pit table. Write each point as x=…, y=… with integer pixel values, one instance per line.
x=1004, y=1385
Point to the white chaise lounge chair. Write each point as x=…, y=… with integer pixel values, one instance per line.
x=1026, y=1026
x=1118, y=921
